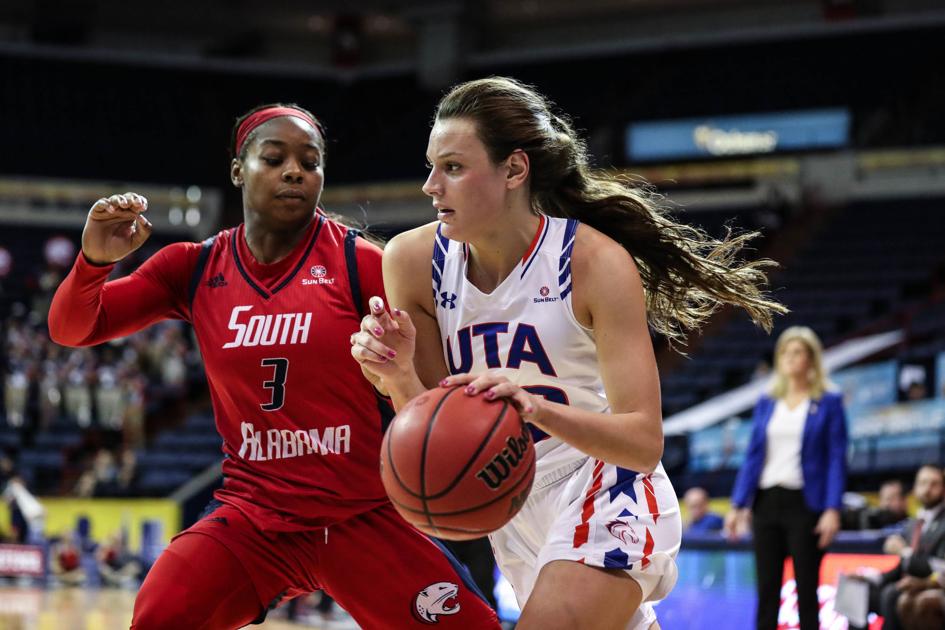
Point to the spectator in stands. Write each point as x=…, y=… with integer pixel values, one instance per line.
x=701, y=520
x=116, y=564
x=927, y=541
x=66, y=563
x=791, y=484
x=101, y=479
x=892, y=508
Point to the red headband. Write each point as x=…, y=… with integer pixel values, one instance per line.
x=257, y=118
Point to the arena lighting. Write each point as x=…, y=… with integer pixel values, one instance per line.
x=190, y=210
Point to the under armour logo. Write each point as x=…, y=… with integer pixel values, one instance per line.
x=216, y=281
x=448, y=299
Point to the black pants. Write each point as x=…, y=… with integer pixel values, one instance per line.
x=783, y=525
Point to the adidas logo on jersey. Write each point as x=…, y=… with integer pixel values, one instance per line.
x=268, y=330
x=319, y=276
x=216, y=281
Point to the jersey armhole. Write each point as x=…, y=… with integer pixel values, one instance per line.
x=354, y=280
x=385, y=406
x=198, y=271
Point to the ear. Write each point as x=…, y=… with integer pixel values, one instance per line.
x=518, y=166
x=236, y=173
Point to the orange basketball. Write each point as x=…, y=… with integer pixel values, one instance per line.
x=457, y=466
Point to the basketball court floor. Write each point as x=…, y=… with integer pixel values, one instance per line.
x=68, y=608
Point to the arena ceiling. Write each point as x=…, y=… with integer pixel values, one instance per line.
x=370, y=36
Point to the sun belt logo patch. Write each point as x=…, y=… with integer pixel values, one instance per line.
x=435, y=600
x=319, y=276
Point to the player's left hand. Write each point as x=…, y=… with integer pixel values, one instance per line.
x=492, y=386
x=827, y=528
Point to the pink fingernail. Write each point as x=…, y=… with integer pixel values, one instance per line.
x=397, y=312
x=391, y=353
x=490, y=394
x=470, y=389
x=378, y=331
x=444, y=382
x=529, y=409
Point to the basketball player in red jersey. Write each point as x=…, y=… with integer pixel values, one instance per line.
x=273, y=303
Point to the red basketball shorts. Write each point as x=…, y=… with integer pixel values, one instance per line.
x=225, y=573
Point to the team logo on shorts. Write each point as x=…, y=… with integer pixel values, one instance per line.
x=623, y=532
x=435, y=600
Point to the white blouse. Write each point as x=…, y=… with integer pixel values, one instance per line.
x=783, y=454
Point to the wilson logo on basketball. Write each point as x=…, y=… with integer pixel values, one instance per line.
x=502, y=465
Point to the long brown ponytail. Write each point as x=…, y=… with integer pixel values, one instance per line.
x=686, y=274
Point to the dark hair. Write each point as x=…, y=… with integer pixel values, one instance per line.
x=687, y=275
x=252, y=136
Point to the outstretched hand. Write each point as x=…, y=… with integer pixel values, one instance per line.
x=115, y=227
x=385, y=345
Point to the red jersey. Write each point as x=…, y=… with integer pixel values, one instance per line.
x=301, y=426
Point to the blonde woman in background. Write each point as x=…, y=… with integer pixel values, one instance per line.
x=789, y=489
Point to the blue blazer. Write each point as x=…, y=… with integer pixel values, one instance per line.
x=823, y=454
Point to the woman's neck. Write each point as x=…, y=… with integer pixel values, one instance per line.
x=798, y=387
x=272, y=245
x=497, y=253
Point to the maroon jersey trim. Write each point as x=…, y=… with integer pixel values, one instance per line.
x=249, y=279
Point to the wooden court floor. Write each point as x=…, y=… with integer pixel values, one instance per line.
x=67, y=608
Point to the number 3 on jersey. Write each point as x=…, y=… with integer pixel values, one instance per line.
x=277, y=384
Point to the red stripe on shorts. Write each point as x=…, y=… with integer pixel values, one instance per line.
x=582, y=531
x=647, y=548
x=651, y=498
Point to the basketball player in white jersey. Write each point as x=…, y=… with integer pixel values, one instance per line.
x=545, y=276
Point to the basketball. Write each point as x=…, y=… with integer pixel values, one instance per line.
x=457, y=466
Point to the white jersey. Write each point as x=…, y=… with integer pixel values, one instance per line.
x=525, y=329
x=580, y=508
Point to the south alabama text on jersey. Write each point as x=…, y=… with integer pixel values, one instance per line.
x=301, y=426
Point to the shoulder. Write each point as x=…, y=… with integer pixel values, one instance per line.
x=594, y=247
x=176, y=256
x=596, y=255
x=832, y=398
x=413, y=246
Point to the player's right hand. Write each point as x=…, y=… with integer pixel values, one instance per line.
x=385, y=345
x=115, y=227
